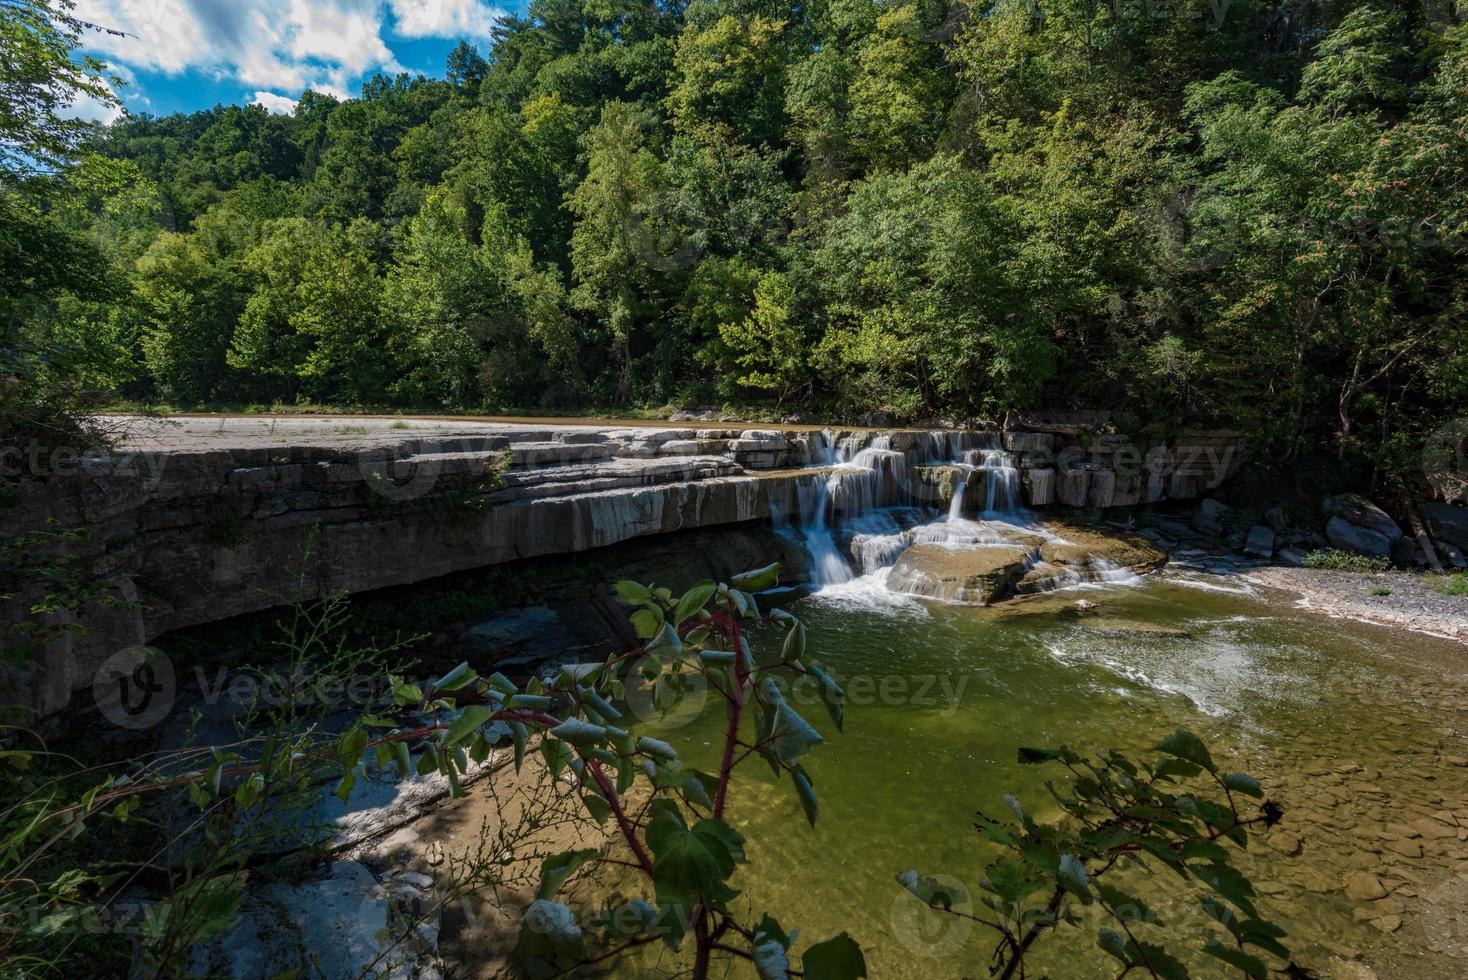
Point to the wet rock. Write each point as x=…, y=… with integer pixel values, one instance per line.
x=1363, y=886
x=1359, y=512
x=1285, y=842
x=1209, y=516
x=1362, y=541
x=1293, y=557
x=1388, y=923
x=975, y=576
x=1260, y=542
x=1406, y=848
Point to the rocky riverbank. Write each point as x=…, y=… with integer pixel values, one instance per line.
x=1401, y=599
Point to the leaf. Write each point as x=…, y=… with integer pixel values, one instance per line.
x=1072, y=876
x=460, y=677
x=807, y=794
x=790, y=736
x=646, y=622
x=1186, y=745
x=1158, y=961
x=1242, y=782
x=1030, y=757
x=657, y=747
x=835, y=959
x=467, y=723
x=931, y=891
x=599, y=808
x=771, y=961
x=1126, y=906
x=521, y=736
x=632, y=593
x=770, y=929
x=694, y=600
x=1251, y=965
x=580, y=733
x=556, y=868
x=666, y=641
x=690, y=864
x=758, y=579
x=557, y=754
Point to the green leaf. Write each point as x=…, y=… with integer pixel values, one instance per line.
x=460, y=677
x=758, y=579
x=694, y=600
x=666, y=643
x=646, y=622
x=769, y=929
x=657, y=747
x=790, y=736
x=521, y=736
x=467, y=723
x=633, y=593
x=1158, y=961
x=249, y=791
x=556, y=868
x=690, y=864
x=1242, y=782
x=580, y=733
x=1186, y=745
x=557, y=754
x=835, y=959
x=403, y=757
x=1126, y=906
x=599, y=808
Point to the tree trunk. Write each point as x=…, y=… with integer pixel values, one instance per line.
x=1424, y=541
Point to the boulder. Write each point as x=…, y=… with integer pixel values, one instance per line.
x=1360, y=512
x=1276, y=518
x=1293, y=557
x=1260, y=542
x=1362, y=541
x=1209, y=516
x=1448, y=522
x=975, y=576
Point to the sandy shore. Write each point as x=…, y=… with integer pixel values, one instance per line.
x=1411, y=601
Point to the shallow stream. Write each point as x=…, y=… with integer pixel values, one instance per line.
x=1357, y=730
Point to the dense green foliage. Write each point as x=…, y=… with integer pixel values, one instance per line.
x=1241, y=213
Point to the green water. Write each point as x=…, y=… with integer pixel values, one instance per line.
x=1350, y=726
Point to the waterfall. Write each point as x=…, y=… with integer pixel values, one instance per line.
x=1001, y=479
x=827, y=567
x=955, y=506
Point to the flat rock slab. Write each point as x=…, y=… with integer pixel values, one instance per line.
x=333, y=926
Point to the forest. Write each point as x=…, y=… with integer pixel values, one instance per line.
x=1228, y=213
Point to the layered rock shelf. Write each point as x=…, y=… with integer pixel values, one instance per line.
x=198, y=519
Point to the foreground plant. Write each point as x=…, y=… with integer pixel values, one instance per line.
x=667, y=818
x=1177, y=811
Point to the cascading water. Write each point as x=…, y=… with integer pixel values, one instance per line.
x=827, y=567
x=1001, y=479
x=955, y=506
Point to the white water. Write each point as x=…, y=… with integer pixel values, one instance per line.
x=856, y=520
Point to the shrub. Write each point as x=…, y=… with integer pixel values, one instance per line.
x=1335, y=560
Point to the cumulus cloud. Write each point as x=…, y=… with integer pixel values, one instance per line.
x=445, y=18
x=270, y=44
x=281, y=105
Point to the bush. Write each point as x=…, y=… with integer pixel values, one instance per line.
x=1335, y=560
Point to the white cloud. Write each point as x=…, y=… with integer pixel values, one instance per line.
x=285, y=45
x=444, y=18
x=281, y=105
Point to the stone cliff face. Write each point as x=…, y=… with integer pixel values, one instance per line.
x=210, y=518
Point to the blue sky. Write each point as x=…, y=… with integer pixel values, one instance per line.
x=181, y=55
